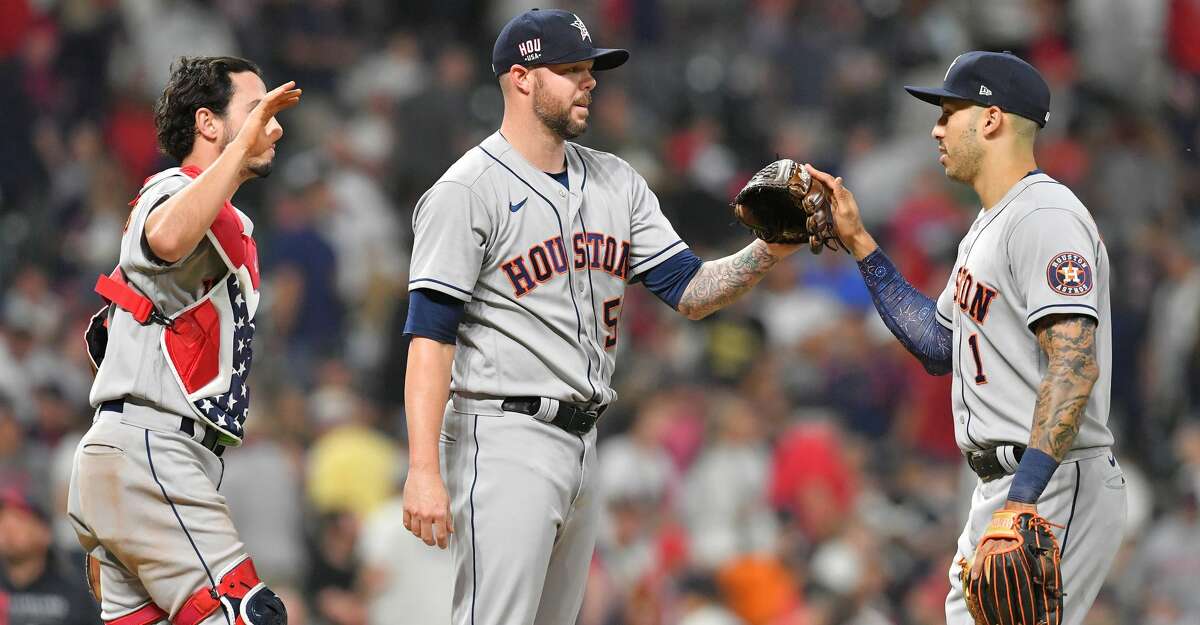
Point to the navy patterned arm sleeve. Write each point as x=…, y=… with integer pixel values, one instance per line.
x=908, y=313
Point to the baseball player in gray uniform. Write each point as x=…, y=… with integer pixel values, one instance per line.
x=522, y=253
x=1024, y=326
x=173, y=353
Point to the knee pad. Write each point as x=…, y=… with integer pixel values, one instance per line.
x=244, y=597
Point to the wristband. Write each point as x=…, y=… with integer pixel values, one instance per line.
x=1034, y=472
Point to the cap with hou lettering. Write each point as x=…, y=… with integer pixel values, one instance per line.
x=549, y=36
x=993, y=79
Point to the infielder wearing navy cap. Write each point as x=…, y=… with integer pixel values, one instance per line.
x=993, y=79
x=547, y=37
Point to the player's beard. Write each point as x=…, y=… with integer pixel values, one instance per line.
x=964, y=161
x=260, y=167
x=556, y=115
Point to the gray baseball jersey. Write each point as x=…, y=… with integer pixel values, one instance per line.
x=542, y=269
x=1036, y=253
x=135, y=365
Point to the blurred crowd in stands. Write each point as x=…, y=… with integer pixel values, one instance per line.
x=783, y=462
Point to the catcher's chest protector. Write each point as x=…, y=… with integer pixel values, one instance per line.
x=207, y=345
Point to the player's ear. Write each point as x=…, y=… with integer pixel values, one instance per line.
x=992, y=119
x=521, y=79
x=207, y=124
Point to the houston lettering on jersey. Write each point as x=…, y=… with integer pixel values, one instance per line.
x=973, y=296
x=549, y=258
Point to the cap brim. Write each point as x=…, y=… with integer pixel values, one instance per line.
x=609, y=58
x=606, y=58
x=931, y=95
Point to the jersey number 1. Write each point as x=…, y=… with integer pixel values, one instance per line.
x=980, y=378
x=611, y=318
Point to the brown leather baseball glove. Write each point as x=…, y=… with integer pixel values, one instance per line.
x=1021, y=584
x=783, y=203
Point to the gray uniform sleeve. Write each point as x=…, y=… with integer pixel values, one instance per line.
x=945, y=305
x=136, y=256
x=652, y=238
x=1052, y=253
x=452, y=229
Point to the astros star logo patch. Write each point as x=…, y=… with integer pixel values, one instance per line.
x=583, y=31
x=1069, y=274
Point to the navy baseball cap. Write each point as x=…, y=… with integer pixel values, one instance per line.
x=544, y=37
x=993, y=79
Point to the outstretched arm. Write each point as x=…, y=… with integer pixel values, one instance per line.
x=720, y=282
x=908, y=313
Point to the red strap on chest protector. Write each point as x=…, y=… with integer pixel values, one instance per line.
x=115, y=289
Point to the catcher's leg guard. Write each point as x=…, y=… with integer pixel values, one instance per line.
x=243, y=596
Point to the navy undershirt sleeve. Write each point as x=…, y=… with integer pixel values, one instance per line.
x=907, y=312
x=669, y=279
x=434, y=315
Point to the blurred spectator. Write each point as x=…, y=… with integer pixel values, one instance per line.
x=23, y=460
x=350, y=464
x=1174, y=328
x=301, y=268
x=35, y=589
x=401, y=574
x=811, y=480
x=725, y=503
x=700, y=604
x=331, y=579
x=635, y=466
x=266, y=498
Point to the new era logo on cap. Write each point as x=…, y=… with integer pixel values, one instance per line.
x=547, y=37
x=993, y=79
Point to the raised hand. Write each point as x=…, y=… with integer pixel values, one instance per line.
x=260, y=131
x=846, y=219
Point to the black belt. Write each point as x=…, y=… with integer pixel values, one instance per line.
x=996, y=462
x=187, y=425
x=569, y=417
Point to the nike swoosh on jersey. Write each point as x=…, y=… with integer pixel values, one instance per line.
x=516, y=207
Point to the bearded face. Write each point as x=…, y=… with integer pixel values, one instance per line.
x=564, y=112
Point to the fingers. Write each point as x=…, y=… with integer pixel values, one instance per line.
x=427, y=532
x=284, y=96
x=432, y=529
x=830, y=181
x=443, y=538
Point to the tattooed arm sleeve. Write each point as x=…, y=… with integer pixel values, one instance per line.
x=1069, y=342
x=719, y=282
x=909, y=314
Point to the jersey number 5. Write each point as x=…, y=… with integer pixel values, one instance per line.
x=980, y=378
x=612, y=316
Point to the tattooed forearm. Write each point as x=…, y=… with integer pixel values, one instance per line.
x=1070, y=345
x=720, y=282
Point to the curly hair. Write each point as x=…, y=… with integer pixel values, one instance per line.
x=196, y=82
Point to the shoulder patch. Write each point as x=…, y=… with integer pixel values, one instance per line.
x=1069, y=273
